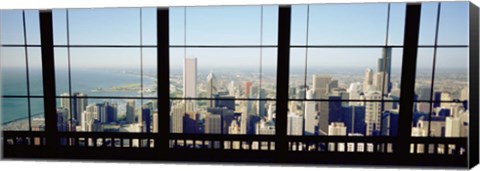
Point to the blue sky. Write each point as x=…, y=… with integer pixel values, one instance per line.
x=329, y=24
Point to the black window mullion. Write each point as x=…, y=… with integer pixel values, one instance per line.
x=48, y=71
x=432, y=84
x=409, y=62
x=283, y=60
x=163, y=74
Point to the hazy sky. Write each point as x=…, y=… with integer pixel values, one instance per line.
x=332, y=24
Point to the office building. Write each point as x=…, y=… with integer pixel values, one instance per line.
x=190, y=77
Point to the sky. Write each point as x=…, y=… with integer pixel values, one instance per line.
x=328, y=24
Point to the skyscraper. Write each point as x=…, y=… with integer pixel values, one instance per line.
x=176, y=118
x=310, y=114
x=295, y=124
x=320, y=85
x=452, y=127
x=261, y=103
x=65, y=103
x=387, y=68
x=130, y=111
x=367, y=80
x=62, y=119
x=79, y=104
x=378, y=82
x=213, y=124
x=211, y=89
x=190, y=77
x=373, y=110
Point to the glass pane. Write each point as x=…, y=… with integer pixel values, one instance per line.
x=453, y=23
x=230, y=25
x=423, y=78
x=13, y=70
x=364, y=24
x=428, y=23
x=149, y=26
x=397, y=23
x=14, y=114
x=106, y=71
x=149, y=72
x=61, y=71
x=38, y=114
x=177, y=25
x=108, y=26
x=11, y=27
x=299, y=25
x=35, y=71
x=59, y=21
x=225, y=116
x=177, y=56
x=32, y=22
x=297, y=89
x=451, y=73
x=105, y=115
x=269, y=72
x=341, y=71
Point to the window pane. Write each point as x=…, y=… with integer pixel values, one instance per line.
x=105, y=115
x=423, y=78
x=453, y=23
x=108, y=26
x=297, y=89
x=177, y=56
x=364, y=24
x=428, y=23
x=451, y=73
x=397, y=23
x=32, y=22
x=14, y=114
x=225, y=116
x=38, y=114
x=35, y=71
x=106, y=71
x=149, y=72
x=13, y=70
x=299, y=25
x=59, y=22
x=149, y=26
x=228, y=25
x=61, y=71
x=11, y=27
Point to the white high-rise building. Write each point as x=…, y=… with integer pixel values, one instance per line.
x=378, y=82
x=452, y=127
x=337, y=129
x=320, y=85
x=190, y=77
x=295, y=124
x=354, y=93
x=65, y=103
x=270, y=111
x=176, y=118
x=87, y=121
x=367, y=80
x=310, y=114
x=234, y=128
x=373, y=111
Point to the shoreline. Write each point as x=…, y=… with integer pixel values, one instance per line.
x=37, y=115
